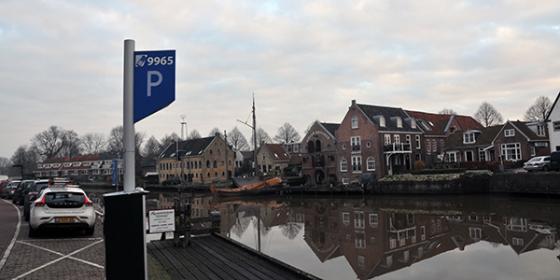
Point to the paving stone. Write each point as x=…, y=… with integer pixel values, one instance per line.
x=67, y=269
x=24, y=258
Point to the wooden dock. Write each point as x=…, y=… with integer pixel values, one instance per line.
x=218, y=258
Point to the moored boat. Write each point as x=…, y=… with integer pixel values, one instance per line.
x=268, y=186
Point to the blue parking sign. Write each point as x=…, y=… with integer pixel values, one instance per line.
x=154, y=82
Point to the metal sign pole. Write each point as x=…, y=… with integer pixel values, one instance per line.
x=128, y=122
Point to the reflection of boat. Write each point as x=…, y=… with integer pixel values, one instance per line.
x=267, y=186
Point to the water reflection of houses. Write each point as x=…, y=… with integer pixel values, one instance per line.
x=377, y=241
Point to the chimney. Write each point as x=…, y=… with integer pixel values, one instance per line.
x=353, y=102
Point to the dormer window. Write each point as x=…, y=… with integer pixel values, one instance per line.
x=540, y=130
x=399, y=122
x=413, y=123
x=469, y=138
x=509, y=132
x=354, y=122
x=382, y=122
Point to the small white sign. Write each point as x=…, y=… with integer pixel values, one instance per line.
x=161, y=220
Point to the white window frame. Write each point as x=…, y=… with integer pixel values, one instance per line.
x=449, y=157
x=466, y=158
x=343, y=165
x=506, y=151
x=541, y=130
x=345, y=181
x=399, y=122
x=556, y=125
x=397, y=138
x=382, y=122
x=418, y=143
x=357, y=163
x=387, y=138
x=359, y=220
x=355, y=141
x=370, y=164
x=481, y=155
x=469, y=138
x=345, y=218
x=408, y=141
x=354, y=121
x=373, y=220
x=533, y=151
x=510, y=132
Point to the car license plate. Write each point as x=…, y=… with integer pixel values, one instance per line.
x=64, y=220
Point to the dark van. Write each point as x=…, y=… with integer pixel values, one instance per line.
x=555, y=161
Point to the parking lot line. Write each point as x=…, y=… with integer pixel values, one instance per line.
x=61, y=239
x=9, y=248
x=68, y=256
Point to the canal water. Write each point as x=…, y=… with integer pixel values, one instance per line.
x=443, y=237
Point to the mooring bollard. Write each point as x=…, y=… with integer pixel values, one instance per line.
x=215, y=217
x=183, y=223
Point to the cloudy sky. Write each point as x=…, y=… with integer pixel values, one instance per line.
x=61, y=61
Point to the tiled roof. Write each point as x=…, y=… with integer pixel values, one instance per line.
x=389, y=113
x=487, y=135
x=331, y=127
x=77, y=158
x=190, y=147
x=528, y=131
x=435, y=123
x=277, y=150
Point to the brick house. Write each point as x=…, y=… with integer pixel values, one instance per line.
x=319, y=162
x=514, y=140
x=437, y=128
x=272, y=159
x=98, y=166
x=201, y=161
x=376, y=140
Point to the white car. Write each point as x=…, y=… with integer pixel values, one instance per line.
x=60, y=207
x=537, y=163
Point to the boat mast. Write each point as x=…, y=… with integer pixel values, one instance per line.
x=254, y=137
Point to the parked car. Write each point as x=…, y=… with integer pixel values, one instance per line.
x=3, y=184
x=537, y=164
x=555, y=161
x=62, y=207
x=19, y=194
x=31, y=194
x=8, y=191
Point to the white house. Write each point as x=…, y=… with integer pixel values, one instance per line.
x=553, y=120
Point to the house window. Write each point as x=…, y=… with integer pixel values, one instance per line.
x=475, y=233
x=387, y=139
x=418, y=147
x=452, y=156
x=345, y=181
x=343, y=146
x=399, y=122
x=481, y=155
x=434, y=146
x=428, y=146
x=346, y=218
x=356, y=163
x=533, y=151
x=509, y=132
x=540, y=130
x=556, y=125
x=373, y=220
x=511, y=152
x=368, y=144
x=370, y=164
x=343, y=165
x=354, y=122
x=359, y=220
x=413, y=123
x=360, y=240
x=468, y=138
x=517, y=241
x=397, y=138
x=382, y=121
x=469, y=156
x=408, y=139
x=355, y=143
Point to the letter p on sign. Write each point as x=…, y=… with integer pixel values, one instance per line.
x=151, y=83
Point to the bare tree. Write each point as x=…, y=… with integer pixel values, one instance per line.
x=4, y=165
x=71, y=144
x=237, y=140
x=27, y=158
x=447, y=111
x=262, y=136
x=488, y=115
x=115, y=143
x=287, y=134
x=194, y=134
x=291, y=230
x=214, y=131
x=50, y=142
x=539, y=110
x=93, y=143
x=168, y=140
x=152, y=148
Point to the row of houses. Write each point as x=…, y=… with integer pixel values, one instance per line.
x=100, y=166
x=370, y=142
